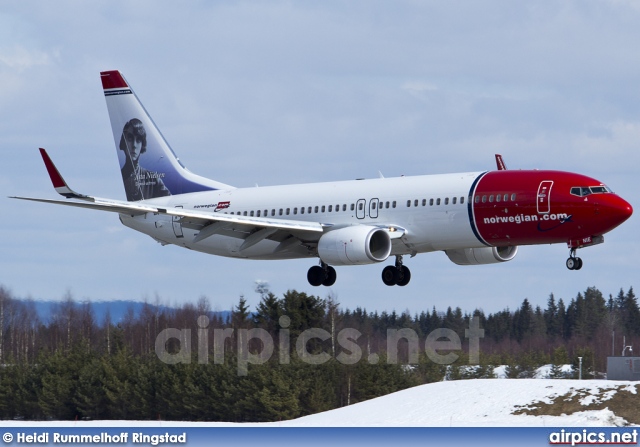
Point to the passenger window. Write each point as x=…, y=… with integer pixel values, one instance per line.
x=498, y=198
x=408, y=203
x=393, y=204
x=309, y=210
x=415, y=203
x=295, y=210
x=430, y=202
x=244, y=214
x=462, y=200
x=424, y=202
x=315, y=209
x=386, y=205
x=353, y=207
x=513, y=197
x=258, y=213
x=446, y=201
x=491, y=198
x=273, y=212
x=330, y=208
x=288, y=211
x=438, y=201
x=323, y=209
x=280, y=212
x=454, y=200
x=484, y=199
x=506, y=197
x=302, y=210
x=344, y=207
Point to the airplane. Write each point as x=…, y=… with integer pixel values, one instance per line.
x=473, y=217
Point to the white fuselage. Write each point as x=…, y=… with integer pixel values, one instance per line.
x=440, y=221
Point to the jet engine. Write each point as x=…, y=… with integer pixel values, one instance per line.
x=484, y=255
x=357, y=244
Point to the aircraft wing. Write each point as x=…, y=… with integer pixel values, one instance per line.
x=252, y=229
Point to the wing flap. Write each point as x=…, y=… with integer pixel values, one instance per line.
x=262, y=222
x=97, y=204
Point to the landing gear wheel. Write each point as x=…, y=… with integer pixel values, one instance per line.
x=389, y=275
x=404, y=276
x=398, y=274
x=579, y=264
x=315, y=275
x=571, y=263
x=322, y=275
x=330, y=276
x=574, y=263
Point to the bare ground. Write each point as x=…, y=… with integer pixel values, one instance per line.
x=623, y=403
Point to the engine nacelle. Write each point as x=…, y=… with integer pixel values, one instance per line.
x=357, y=244
x=484, y=255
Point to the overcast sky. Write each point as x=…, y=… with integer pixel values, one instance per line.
x=285, y=92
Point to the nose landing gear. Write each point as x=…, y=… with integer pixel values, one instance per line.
x=574, y=263
x=397, y=274
x=322, y=274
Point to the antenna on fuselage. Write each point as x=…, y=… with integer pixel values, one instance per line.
x=500, y=163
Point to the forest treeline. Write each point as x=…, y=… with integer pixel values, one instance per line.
x=75, y=367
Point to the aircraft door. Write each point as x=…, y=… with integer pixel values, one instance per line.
x=360, y=208
x=544, y=197
x=373, y=208
x=177, y=225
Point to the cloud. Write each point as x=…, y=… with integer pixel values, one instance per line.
x=286, y=91
x=19, y=58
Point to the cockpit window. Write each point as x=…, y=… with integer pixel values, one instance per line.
x=583, y=191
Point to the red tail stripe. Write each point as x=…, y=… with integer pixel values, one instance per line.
x=112, y=79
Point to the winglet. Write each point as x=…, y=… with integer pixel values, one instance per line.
x=59, y=184
x=500, y=163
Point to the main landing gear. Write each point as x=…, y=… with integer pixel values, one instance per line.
x=322, y=274
x=396, y=275
x=574, y=263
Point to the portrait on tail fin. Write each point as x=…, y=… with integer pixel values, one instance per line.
x=139, y=183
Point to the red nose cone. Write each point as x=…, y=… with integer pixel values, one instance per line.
x=617, y=210
x=625, y=210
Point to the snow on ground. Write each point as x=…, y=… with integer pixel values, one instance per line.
x=473, y=403
x=461, y=403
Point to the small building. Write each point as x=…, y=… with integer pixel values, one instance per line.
x=623, y=368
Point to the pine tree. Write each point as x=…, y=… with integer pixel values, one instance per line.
x=59, y=378
x=268, y=312
x=90, y=398
x=631, y=313
x=551, y=318
x=241, y=314
x=523, y=321
x=279, y=395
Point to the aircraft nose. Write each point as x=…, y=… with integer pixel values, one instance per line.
x=618, y=209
